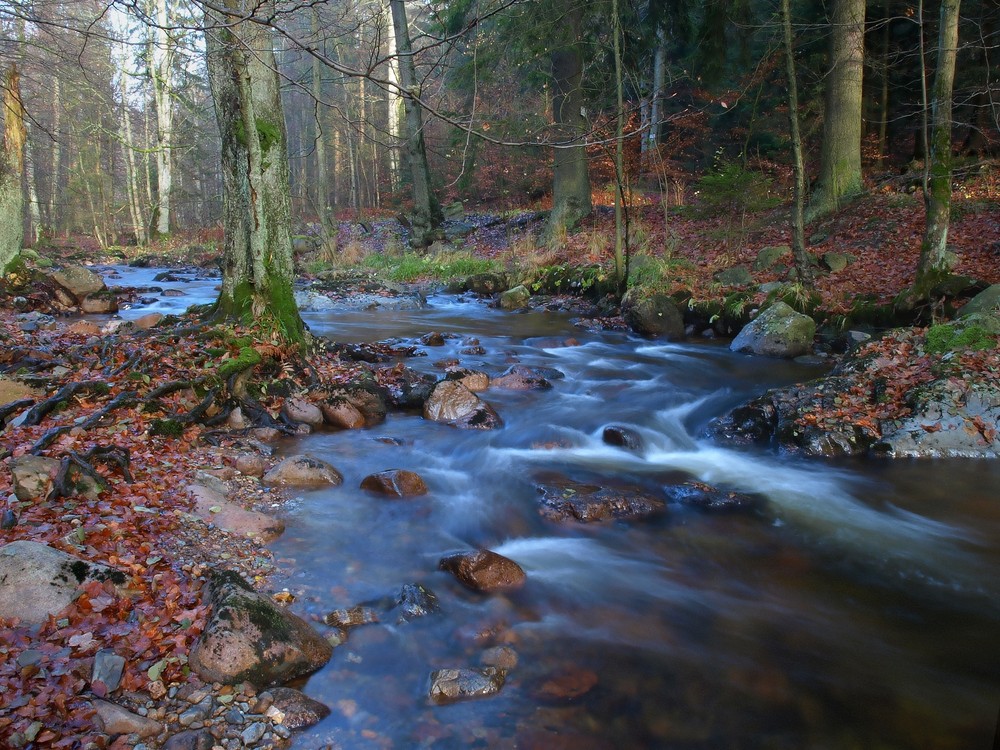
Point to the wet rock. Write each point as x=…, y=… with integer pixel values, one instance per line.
x=84, y=328
x=452, y=685
x=8, y=520
x=395, y=483
x=414, y=601
x=299, y=410
x=622, y=437
x=565, y=500
x=253, y=733
x=484, y=570
x=368, y=399
x=565, y=685
x=485, y=284
x=342, y=414
x=712, y=499
x=114, y=719
x=99, y=303
x=37, y=581
x=250, y=464
x=199, y=712
x=432, y=339
x=503, y=657
x=409, y=389
x=303, y=471
x=354, y=617
x=215, y=509
x=521, y=378
x=299, y=709
x=514, y=299
x=652, y=314
x=190, y=739
x=778, y=331
x=475, y=380
x=249, y=638
x=108, y=668
x=78, y=281
x=452, y=403
x=987, y=301
x=173, y=293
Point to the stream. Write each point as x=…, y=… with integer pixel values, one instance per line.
x=859, y=609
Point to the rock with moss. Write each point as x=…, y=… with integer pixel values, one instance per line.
x=987, y=301
x=836, y=262
x=248, y=638
x=977, y=331
x=100, y=303
x=303, y=471
x=37, y=581
x=734, y=276
x=486, y=284
x=652, y=314
x=78, y=281
x=779, y=331
x=515, y=299
x=768, y=257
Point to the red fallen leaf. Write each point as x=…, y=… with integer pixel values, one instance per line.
x=83, y=641
x=932, y=427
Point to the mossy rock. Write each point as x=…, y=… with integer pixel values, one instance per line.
x=975, y=332
x=767, y=257
x=734, y=276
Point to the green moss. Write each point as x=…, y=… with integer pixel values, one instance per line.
x=951, y=336
x=268, y=133
x=166, y=427
x=248, y=357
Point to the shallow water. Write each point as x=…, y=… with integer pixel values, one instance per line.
x=861, y=608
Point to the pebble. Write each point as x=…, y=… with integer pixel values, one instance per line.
x=234, y=716
x=253, y=733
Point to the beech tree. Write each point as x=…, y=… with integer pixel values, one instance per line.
x=840, y=167
x=11, y=169
x=257, y=270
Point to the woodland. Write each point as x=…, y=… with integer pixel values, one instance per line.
x=840, y=156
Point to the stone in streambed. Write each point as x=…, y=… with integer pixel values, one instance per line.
x=452, y=403
x=250, y=639
x=342, y=414
x=114, y=719
x=78, y=281
x=622, y=437
x=452, y=685
x=213, y=508
x=778, y=331
x=300, y=711
x=712, y=499
x=484, y=570
x=395, y=483
x=304, y=412
x=565, y=500
x=474, y=380
x=652, y=314
x=521, y=378
x=303, y=471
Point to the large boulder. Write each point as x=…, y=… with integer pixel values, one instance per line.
x=652, y=314
x=514, y=299
x=297, y=409
x=768, y=257
x=987, y=301
x=213, y=508
x=78, y=281
x=484, y=570
x=34, y=477
x=37, y=581
x=452, y=403
x=779, y=331
x=303, y=471
x=248, y=638
x=565, y=500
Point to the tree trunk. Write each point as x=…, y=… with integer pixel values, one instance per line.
x=840, y=164
x=131, y=178
x=395, y=107
x=621, y=210
x=322, y=168
x=937, y=187
x=257, y=272
x=34, y=209
x=55, y=189
x=802, y=267
x=652, y=139
x=161, y=61
x=11, y=170
x=427, y=215
x=570, y=170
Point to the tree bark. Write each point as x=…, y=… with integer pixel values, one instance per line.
x=840, y=163
x=257, y=271
x=11, y=170
x=570, y=169
x=322, y=166
x=394, y=107
x=55, y=191
x=801, y=259
x=652, y=139
x=937, y=187
x=161, y=62
x=427, y=215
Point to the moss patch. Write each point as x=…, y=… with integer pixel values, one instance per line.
x=949, y=337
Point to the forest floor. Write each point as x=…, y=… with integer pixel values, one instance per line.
x=142, y=523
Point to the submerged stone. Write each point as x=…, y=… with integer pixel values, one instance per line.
x=451, y=685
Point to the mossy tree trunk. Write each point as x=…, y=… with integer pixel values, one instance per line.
x=937, y=183
x=570, y=170
x=840, y=160
x=11, y=167
x=427, y=215
x=801, y=259
x=257, y=269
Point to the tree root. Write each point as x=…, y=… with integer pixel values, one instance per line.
x=63, y=484
x=40, y=410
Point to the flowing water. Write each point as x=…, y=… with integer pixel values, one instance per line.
x=859, y=609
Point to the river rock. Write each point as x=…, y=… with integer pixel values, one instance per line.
x=779, y=331
x=78, y=281
x=434, y=338
x=190, y=739
x=303, y=471
x=114, y=719
x=297, y=409
x=768, y=257
x=485, y=284
x=514, y=299
x=565, y=684
x=413, y=601
x=407, y=388
x=368, y=400
x=521, y=378
x=34, y=477
x=452, y=685
x=108, y=669
x=37, y=581
x=84, y=328
x=354, y=617
x=712, y=499
x=147, y=321
x=622, y=436
x=484, y=570
x=342, y=414
x=213, y=508
x=249, y=638
x=565, y=500
x=250, y=464
x=475, y=380
x=395, y=483
x=452, y=403
x=99, y=303
x=503, y=657
x=299, y=709
x=652, y=314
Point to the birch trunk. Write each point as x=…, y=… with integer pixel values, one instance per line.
x=395, y=107
x=34, y=209
x=11, y=170
x=162, y=63
x=257, y=271
x=55, y=188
